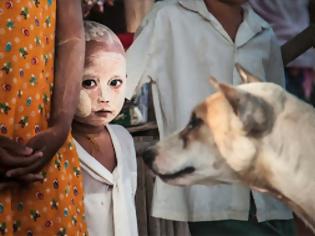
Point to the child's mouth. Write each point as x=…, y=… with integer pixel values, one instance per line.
x=103, y=113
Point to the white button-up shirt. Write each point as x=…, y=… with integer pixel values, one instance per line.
x=180, y=44
x=109, y=197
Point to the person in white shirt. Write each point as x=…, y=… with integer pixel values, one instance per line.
x=178, y=46
x=106, y=152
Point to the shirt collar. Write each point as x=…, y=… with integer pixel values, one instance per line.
x=190, y=5
x=251, y=25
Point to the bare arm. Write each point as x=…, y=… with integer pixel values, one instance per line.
x=69, y=62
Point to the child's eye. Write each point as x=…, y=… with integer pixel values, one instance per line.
x=116, y=83
x=88, y=83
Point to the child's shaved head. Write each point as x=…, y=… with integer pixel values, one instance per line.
x=99, y=37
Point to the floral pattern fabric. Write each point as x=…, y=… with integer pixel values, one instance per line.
x=55, y=205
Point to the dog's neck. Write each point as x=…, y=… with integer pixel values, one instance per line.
x=282, y=161
x=290, y=164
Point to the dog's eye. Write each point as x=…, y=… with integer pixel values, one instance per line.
x=194, y=122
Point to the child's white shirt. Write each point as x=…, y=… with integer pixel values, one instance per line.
x=109, y=198
x=180, y=44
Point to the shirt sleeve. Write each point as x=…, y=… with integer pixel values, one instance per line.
x=141, y=54
x=275, y=70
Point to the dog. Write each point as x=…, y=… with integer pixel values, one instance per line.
x=254, y=133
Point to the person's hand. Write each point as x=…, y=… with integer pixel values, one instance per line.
x=20, y=181
x=5, y=184
x=15, y=155
x=48, y=143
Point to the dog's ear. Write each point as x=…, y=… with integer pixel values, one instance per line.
x=254, y=112
x=245, y=75
x=214, y=83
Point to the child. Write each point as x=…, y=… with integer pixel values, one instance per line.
x=106, y=151
x=180, y=44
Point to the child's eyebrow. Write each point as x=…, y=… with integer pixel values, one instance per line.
x=116, y=77
x=90, y=76
x=89, y=73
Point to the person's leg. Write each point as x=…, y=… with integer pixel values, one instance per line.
x=243, y=228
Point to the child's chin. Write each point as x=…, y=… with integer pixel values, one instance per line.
x=102, y=121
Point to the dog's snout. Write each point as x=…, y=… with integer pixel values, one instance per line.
x=149, y=156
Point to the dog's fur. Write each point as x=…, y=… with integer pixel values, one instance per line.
x=255, y=133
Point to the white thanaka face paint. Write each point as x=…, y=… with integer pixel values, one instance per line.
x=84, y=107
x=102, y=89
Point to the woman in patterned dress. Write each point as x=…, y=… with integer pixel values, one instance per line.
x=40, y=184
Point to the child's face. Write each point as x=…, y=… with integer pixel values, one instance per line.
x=103, y=87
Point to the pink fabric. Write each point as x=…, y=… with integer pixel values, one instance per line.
x=287, y=18
x=309, y=80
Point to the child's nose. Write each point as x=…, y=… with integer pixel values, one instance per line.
x=102, y=99
x=104, y=95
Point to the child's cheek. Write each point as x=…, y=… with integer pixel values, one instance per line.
x=84, y=107
x=120, y=98
x=95, y=97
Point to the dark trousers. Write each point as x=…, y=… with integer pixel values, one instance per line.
x=244, y=228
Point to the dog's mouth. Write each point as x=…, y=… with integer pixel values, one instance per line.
x=178, y=174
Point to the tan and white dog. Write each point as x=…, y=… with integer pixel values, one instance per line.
x=254, y=133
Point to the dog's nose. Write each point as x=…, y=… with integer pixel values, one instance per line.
x=149, y=156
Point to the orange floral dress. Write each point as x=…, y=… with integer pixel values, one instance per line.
x=54, y=206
